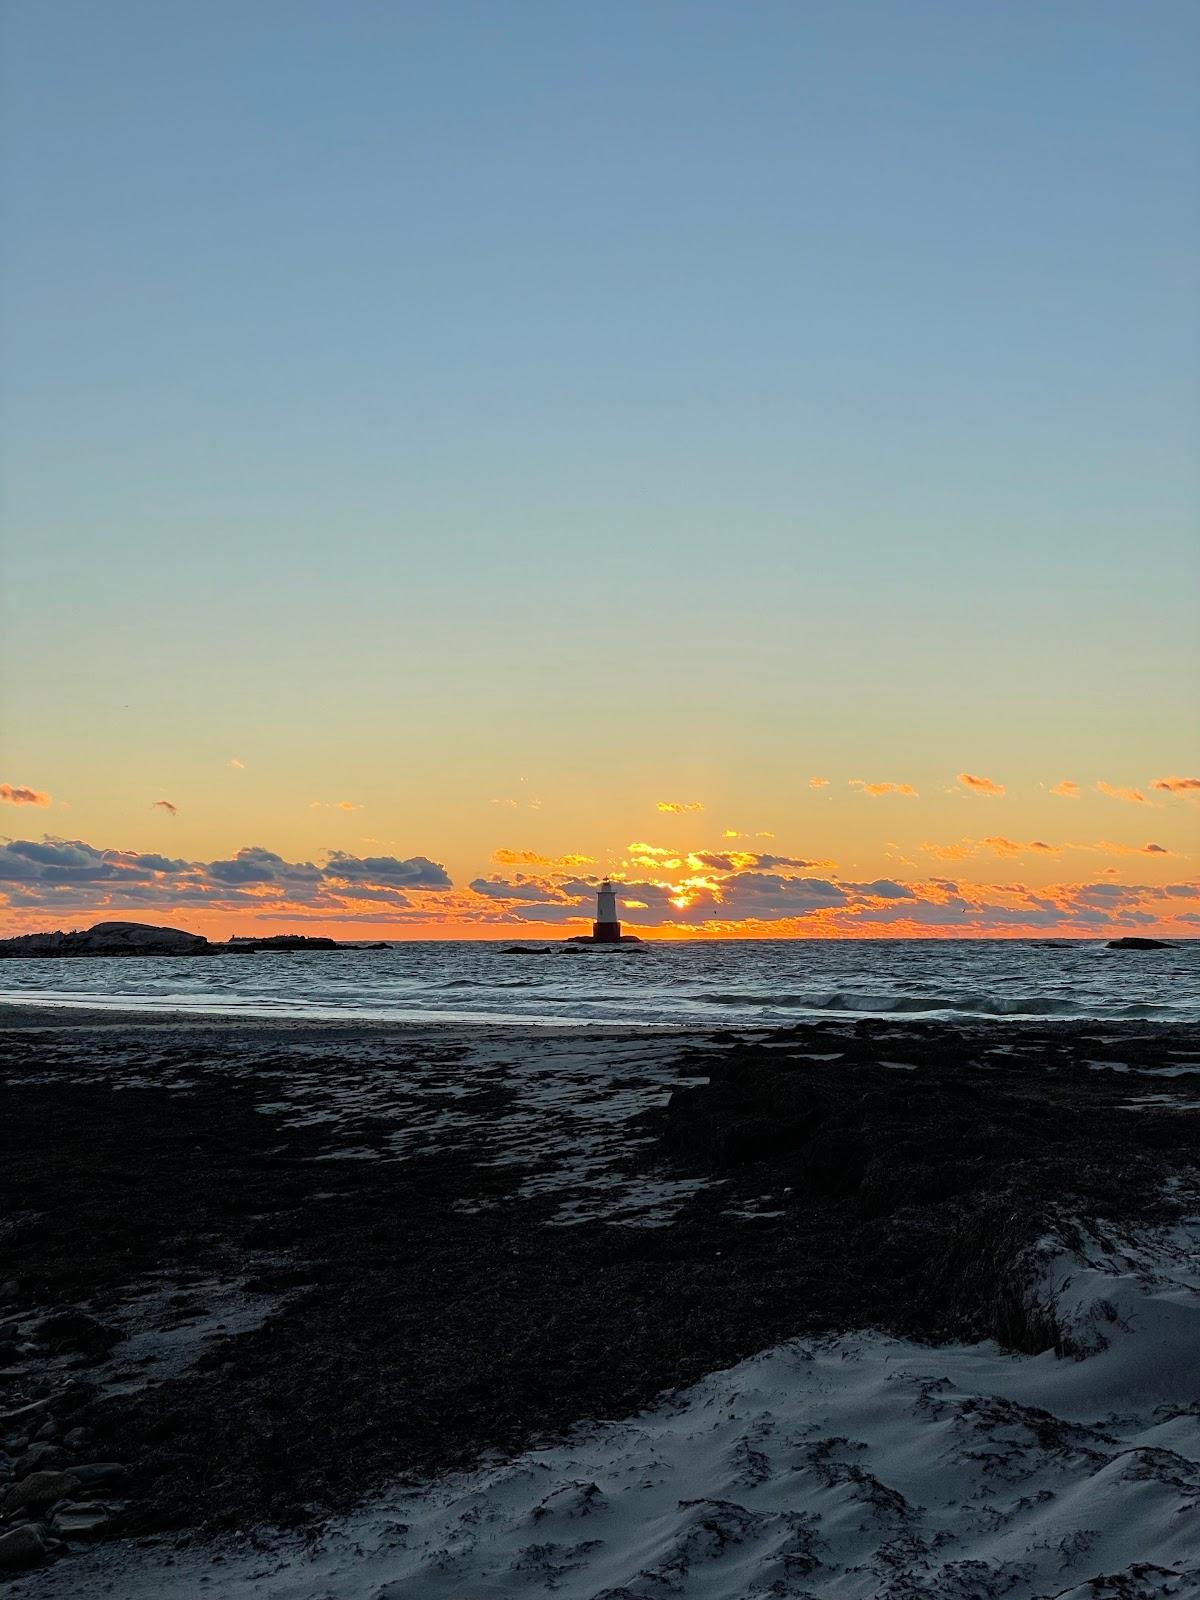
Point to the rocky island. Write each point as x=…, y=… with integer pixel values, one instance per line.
x=142, y=939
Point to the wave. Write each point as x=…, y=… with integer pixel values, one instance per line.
x=496, y=983
x=969, y=1005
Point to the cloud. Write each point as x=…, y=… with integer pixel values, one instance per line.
x=720, y=893
x=883, y=889
x=165, y=805
x=534, y=890
x=875, y=789
x=417, y=872
x=234, y=762
x=18, y=795
x=951, y=852
x=255, y=864
x=1001, y=846
x=818, y=783
x=678, y=806
x=769, y=903
x=1066, y=790
x=982, y=786
x=739, y=860
x=1133, y=797
x=532, y=858
x=1106, y=848
x=74, y=876
x=1173, y=785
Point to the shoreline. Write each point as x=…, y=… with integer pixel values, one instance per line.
x=20, y=1015
x=27, y=1014
x=337, y=1256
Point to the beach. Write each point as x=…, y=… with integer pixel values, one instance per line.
x=387, y=1309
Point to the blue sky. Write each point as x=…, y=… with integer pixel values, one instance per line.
x=372, y=370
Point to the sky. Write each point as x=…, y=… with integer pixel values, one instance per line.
x=453, y=450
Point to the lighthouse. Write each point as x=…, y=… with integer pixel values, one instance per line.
x=606, y=929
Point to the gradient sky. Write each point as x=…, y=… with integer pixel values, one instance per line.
x=438, y=429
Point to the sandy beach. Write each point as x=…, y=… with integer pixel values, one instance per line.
x=381, y=1310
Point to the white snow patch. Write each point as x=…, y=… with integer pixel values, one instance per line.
x=849, y=1468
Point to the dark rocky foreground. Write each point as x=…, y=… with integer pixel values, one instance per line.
x=251, y=1273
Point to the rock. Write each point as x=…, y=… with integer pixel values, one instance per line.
x=108, y=939
x=74, y=1330
x=45, y=1457
x=48, y=1430
x=40, y=1489
x=285, y=942
x=23, y=1547
x=24, y=1416
x=1140, y=944
x=81, y=1521
x=526, y=950
x=76, y=1439
x=100, y=1472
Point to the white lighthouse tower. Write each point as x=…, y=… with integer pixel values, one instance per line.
x=606, y=929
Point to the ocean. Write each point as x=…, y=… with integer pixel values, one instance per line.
x=686, y=984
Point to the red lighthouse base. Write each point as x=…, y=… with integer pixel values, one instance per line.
x=606, y=932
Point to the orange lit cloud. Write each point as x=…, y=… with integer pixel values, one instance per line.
x=1066, y=790
x=875, y=789
x=818, y=783
x=951, y=852
x=531, y=858
x=1104, y=848
x=1177, y=785
x=964, y=849
x=57, y=882
x=676, y=807
x=165, y=805
x=18, y=795
x=234, y=762
x=1000, y=846
x=1133, y=797
x=982, y=786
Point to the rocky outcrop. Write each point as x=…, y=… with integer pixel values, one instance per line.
x=277, y=941
x=1140, y=944
x=108, y=939
x=142, y=939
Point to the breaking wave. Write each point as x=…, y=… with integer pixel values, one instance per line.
x=972, y=1005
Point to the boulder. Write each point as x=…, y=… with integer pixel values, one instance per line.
x=40, y=1489
x=96, y=1473
x=72, y=1329
x=45, y=1457
x=1140, y=944
x=23, y=1547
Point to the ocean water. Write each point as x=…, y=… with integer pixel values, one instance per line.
x=678, y=984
